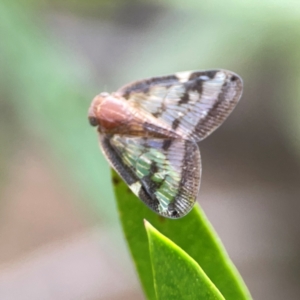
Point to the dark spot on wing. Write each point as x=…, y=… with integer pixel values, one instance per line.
x=152, y=186
x=166, y=144
x=210, y=74
x=194, y=85
x=234, y=78
x=153, y=168
x=172, y=210
x=184, y=99
x=175, y=123
x=126, y=95
x=195, y=75
x=174, y=213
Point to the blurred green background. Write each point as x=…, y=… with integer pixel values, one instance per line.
x=59, y=232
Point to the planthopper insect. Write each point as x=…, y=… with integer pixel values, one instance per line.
x=149, y=132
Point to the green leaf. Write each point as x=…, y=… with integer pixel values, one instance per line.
x=176, y=274
x=193, y=234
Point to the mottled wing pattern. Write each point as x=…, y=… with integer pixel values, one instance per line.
x=193, y=104
x=164, y=173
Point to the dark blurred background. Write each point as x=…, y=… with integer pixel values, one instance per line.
x=60, y=237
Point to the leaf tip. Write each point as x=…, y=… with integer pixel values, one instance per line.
x=146, y=223
x=149, y=227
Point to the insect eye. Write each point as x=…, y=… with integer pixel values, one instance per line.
x=93, y=121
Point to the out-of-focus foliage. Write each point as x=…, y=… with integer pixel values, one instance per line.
x=51, y=100
x=10, y=131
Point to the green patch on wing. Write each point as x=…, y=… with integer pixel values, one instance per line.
x=158, y=169
x=166, y=195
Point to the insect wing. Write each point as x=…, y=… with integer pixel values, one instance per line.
x=164, y=173
x=193, y=104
